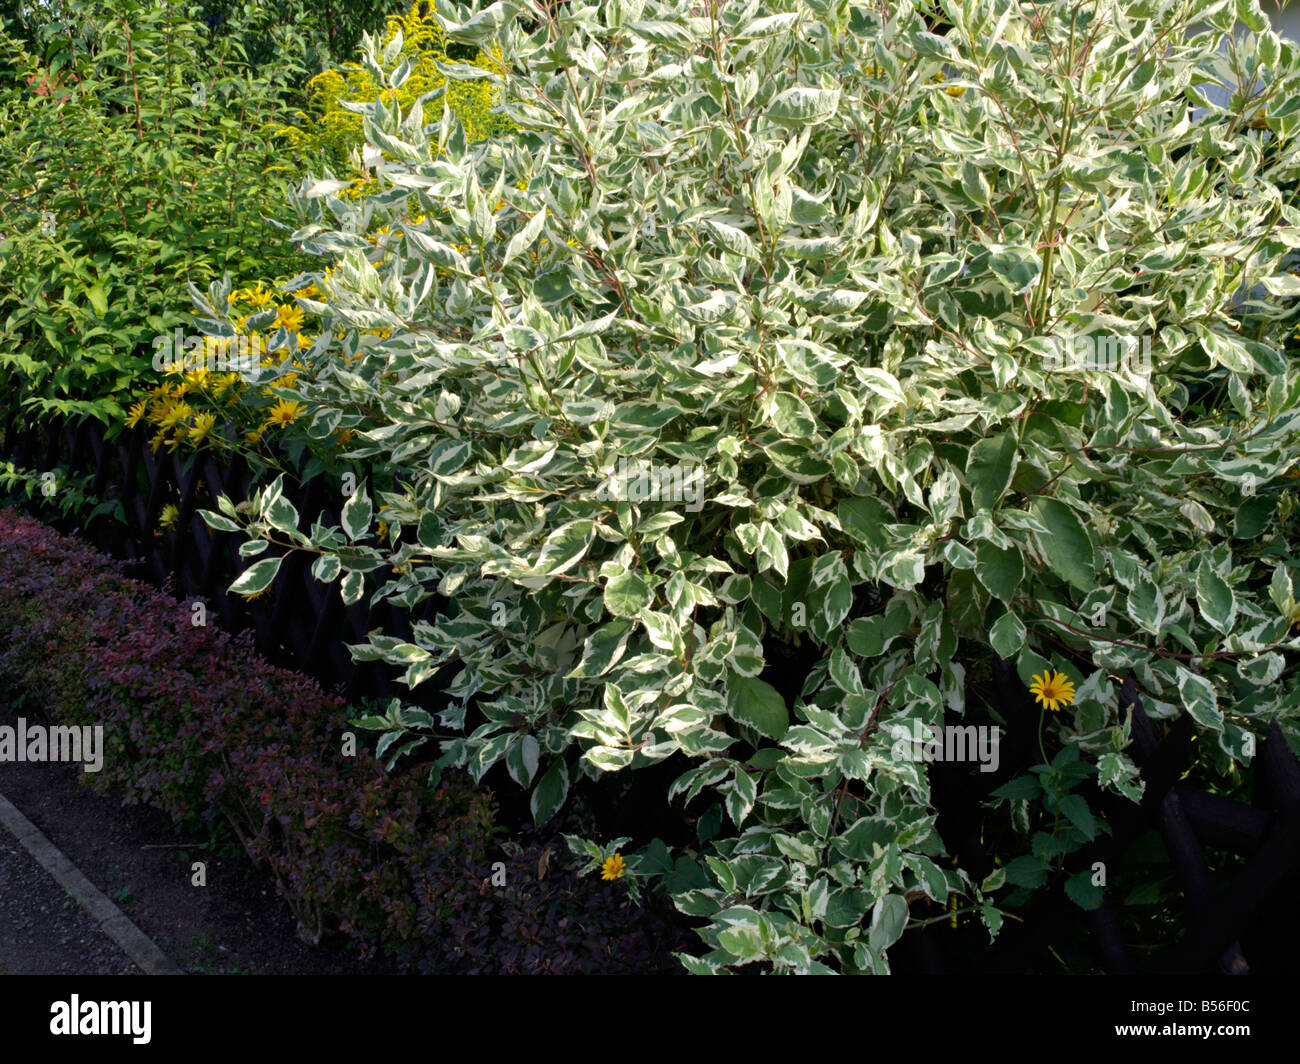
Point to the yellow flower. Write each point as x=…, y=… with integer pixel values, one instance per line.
x=168, y=516
x=249, y=596
x=289, y=316
x=173, y=414
x=203, y=424
x=156, y=441
x=258, y=297
x=284, y=412
x=1053, y=690
x=253, y=437
x=612, y=868
x=136, y=413
x=310, y=292
x=304, y=342
x=955, y=90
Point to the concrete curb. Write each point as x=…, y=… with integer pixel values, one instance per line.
x=112, y=921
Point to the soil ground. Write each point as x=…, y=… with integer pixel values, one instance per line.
x=236, y=924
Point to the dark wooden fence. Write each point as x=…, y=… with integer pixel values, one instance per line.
x=298, y=622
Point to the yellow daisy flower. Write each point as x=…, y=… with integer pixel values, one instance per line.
x=1052, y=690
x=135, y=414
x=203, y=424
x=284, y=412
x=258, y=297
x=168, y=516
x=612, y=868
x=174, y=414
x=289, y=316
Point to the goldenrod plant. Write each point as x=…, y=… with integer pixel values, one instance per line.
x=329, y=132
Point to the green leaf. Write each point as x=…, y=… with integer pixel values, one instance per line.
x=357, y=514
x=448, y=456
x=801, y=106
x=565, y=547
x=1016, y=267
x=1022, y=788
x=989, y=469
x=1200, y=699
x=604, y=649
x=326, y=568
x=1001, y=571
x=1077, y=813
x=521, y=760
x=550, y=792
x=1227, y=351
x=1007, y=634
x=281, y=515
x=888, y=921
x=627, y=594
x=352, y=588
x=1066, y=545
x=1146, y=605
x=1027, y=872
x=1215, y=599
x=257, y=577
x=217, y=521
x=758, y=704
x=1083, y=892
x=741, y=795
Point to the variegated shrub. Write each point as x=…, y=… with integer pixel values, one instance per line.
x=815, y=322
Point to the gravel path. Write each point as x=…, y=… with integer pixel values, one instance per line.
x=41, y=936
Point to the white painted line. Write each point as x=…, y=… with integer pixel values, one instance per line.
x=112, y=921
